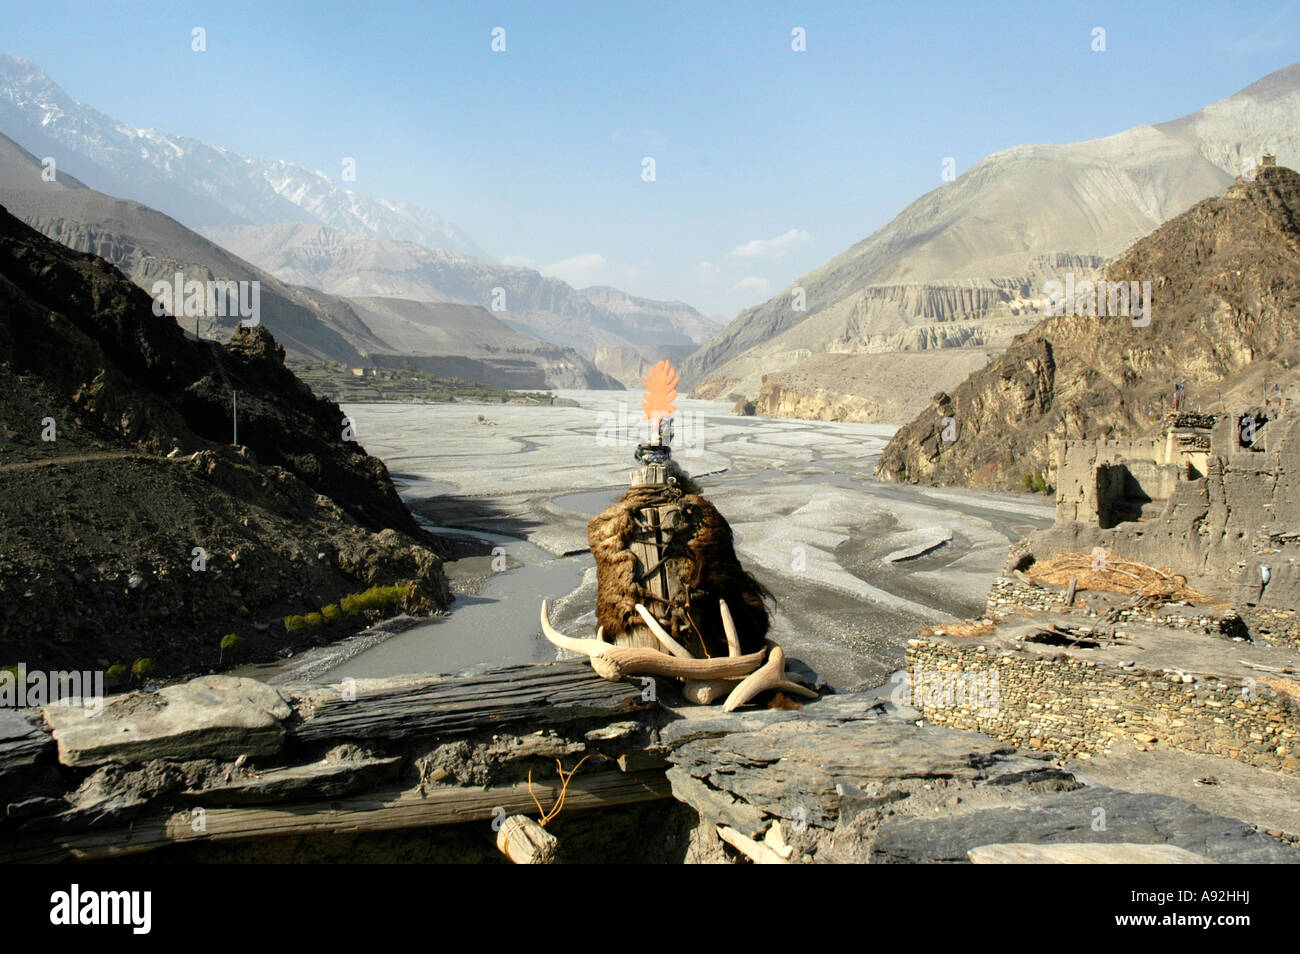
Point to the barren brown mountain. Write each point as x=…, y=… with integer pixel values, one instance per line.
x=1225, y=314
x=919, y=304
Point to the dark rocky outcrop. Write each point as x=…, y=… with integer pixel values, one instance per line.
x=116, y=463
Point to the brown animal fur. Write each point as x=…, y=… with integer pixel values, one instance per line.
x=701, y=555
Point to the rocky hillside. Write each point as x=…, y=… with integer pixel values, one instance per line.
x=1225, y=319
x=964, y=266
x=529, y=302
x=149, y=246
x=119, y=480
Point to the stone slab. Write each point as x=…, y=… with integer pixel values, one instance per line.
x=1069, y=818
x=210, y=717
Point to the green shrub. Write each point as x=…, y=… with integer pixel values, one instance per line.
x=377, y=598
x=142, y=667
x=1035, y=482
x=229, y=642
x=117, y=671
x=294, y=623
x=314, y=619
x=332, y=613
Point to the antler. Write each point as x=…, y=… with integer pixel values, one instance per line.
x=771, y=675
x=670, y=644
x=615, y=662
x=729, y=627
x=706, y=692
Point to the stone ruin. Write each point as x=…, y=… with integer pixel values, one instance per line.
x=1106, y=482
x=1209, y=498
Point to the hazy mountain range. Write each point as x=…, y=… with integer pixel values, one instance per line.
x=137, y=196
x=964, y=266
x=149, y=246
x=193, y=182
x=911, y=310
x=528, y=301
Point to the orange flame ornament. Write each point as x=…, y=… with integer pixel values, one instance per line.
x=661, y=390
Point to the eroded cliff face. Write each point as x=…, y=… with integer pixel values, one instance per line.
x=962, y=324
x=1225, y=312
x=864, y=388
x=817, y=404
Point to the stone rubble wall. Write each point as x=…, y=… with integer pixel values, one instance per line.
x=1009, y=594
x=1072, y=707
x=1279, y=627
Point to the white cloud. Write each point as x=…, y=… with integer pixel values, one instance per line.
x=708, y=268
x=772, y=246
x=519, y=261
x=753, y=284
x=592, y=268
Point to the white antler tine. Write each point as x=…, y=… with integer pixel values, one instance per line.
x=670, y=644
x=729, y=627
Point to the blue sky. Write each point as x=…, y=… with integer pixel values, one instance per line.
x=768, y=161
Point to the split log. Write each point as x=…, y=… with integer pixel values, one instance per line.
x=1069, y=592
x=525, y=842
x=323, y=779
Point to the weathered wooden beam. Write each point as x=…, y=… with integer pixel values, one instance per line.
x=319, y=780
x=536, y=694
x=385, y=810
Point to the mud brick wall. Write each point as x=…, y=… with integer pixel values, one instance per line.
x=1073, y=707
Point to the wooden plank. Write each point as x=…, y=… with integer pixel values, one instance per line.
x=386, y=810
x=537, y=694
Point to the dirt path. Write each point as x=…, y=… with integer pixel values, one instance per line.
x=75, y=459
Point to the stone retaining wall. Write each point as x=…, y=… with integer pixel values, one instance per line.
x=1280, y=627
x=1072, y=707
